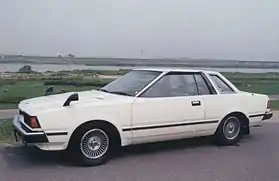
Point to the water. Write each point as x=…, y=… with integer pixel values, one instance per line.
x=53, y=67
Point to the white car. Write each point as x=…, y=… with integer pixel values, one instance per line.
x=144, y=105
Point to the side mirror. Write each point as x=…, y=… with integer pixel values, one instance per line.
x=49, y=91
x=73, y=97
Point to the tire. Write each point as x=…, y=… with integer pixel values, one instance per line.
x=246, y=130
x=229, y=131
x=91, y=146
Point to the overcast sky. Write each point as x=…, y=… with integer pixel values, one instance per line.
x=229, y=29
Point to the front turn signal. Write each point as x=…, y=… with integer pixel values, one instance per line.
x=34, y=122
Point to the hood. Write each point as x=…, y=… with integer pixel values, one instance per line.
x=57, y=101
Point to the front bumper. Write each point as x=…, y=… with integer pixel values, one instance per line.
x=26, y=134
x=267, y=115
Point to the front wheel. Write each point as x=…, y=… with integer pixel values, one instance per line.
x=229, y=131
x=92, y=146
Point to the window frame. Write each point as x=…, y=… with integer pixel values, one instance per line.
x=209, y=85
x=211, y=75
x=135, y=95
x=206, y=83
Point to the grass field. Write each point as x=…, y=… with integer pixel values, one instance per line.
x=13, y=92
x=265, y=83
x=275, y=105
x=6, y=131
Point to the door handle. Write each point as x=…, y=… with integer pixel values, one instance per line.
x=196, y=103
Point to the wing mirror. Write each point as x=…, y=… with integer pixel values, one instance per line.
x=73, y=97
x=49, y=91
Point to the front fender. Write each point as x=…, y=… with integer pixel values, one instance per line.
x=117, y=120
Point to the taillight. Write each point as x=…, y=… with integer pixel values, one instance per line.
x=268, y=104
x=34, y=122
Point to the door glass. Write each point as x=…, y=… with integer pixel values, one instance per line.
x=202, y=86
x=172, y=85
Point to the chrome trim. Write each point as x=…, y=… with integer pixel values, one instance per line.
x=186, y=123
x=212, y=83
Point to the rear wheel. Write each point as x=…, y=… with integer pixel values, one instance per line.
x=229, y=131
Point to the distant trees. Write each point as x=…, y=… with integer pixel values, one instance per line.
x=71, y=55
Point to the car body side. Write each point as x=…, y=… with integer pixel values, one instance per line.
x=131, y=115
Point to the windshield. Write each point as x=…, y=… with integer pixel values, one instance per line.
x=131, y=83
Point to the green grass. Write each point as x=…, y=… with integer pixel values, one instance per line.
x=27, y=89
x=269, y=89
x=8, y=106
x=275, y=105
x=6, y=131
x=264, y=83
x=12, y=94
x=13, y=91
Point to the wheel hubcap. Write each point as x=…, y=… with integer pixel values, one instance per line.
x=94, y=143
x=231, y=128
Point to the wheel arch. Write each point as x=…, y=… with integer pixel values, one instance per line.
x=243, y=117
x=106, y=124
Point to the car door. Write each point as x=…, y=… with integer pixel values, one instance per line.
x=171, y=108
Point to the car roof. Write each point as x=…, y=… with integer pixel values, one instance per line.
x=175, y=70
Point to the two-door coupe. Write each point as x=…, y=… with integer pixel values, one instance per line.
x=144, y=105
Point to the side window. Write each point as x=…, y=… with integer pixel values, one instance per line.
x=202, y=86
x=172, y=85
x=221, y=85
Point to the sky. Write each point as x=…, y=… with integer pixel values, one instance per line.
x=225, y=29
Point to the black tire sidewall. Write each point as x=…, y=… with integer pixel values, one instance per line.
x=221, y=138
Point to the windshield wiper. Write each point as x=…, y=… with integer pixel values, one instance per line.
x=103, y=90
x=115, y=92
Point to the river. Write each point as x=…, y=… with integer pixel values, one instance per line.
x=54, y=67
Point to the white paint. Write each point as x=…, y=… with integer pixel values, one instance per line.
x=128, y=112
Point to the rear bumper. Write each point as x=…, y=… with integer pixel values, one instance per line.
x=267, y=116
x=26, y=134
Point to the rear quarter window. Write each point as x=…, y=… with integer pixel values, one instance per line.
x=222, y=86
